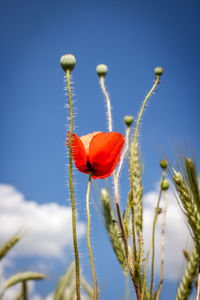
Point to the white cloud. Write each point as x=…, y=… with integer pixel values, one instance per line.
x=177, y=235
x=47, y=227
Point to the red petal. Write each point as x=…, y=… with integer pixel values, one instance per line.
x=104, y=153
x=78, y=153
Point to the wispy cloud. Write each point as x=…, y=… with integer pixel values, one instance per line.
x=47, y=227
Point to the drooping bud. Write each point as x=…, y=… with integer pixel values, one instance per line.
x=163, y=164
x=101, y=70
x=68, y=62
x=165, y=185
x=128, y=120
x=158, y=71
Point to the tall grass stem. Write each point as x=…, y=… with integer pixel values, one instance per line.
x=88, y=239
x=76, y=254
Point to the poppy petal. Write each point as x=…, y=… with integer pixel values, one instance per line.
x=78, y=153
x=104, y=153
x=86, y=139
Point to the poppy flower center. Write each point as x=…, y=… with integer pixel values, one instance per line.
x=89, y=166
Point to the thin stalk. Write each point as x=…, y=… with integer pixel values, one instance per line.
x=145, y=270
x=162, y=246
x=116, y=176
x=88, y=239
x=153, y=237
x=107, y=102
x=124, y=237
x=134, y=144
x=121, y=223
x=198, y=286
x=24, y=290
x=72, y=190
x=127, y=288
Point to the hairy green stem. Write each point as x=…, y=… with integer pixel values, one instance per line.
x=88, y=239
x=134, y=144
x=72, y=191
x=162, y=246
x=107, y=103
x=153, y=237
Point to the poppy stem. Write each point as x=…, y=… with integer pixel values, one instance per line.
x=72, y=191
x=107, y=103
x=157, y=211
x=88, y=239
x=132, y=153
x=162, y=245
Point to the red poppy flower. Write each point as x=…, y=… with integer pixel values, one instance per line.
x=97, y=152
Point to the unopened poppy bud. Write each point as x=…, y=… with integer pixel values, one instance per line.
x=128, y=120
x=158, y=71
x=165, y=185
x=163, y=164
x=102, y=70
x=67, y=62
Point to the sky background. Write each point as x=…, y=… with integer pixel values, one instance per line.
x=132, y=38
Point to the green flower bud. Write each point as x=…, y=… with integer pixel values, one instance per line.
x=165, y=185
x=163, y=164
x=101, y=70
x=128, y=120
x=158, y=71
x=67, y=62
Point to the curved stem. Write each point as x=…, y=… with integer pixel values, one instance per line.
x=107, y=103
x=72, y=191
x=137, y=127
x=88, y=239
x=132, y=153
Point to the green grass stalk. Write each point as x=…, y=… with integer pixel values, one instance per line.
x=162, y=246
x=157, y=211
x=76, y=254
x=25, y=290
x=88, y=239
x=132, y=155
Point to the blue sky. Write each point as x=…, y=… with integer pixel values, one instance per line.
x=132, y=38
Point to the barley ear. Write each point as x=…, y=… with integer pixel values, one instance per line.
x=21, y=277
x=9, y=245
x=64, y=281
x=190, y=274
x=113, y=229
x=189, y=202
x=89, y=290
x=137, y=189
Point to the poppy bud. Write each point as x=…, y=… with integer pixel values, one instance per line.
x=165, y=185
x=128, y=120
x=67, y=62
x=163, y=164
x=158, y=71
x=101, y=70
